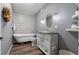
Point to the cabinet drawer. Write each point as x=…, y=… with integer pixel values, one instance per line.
x=46, y=36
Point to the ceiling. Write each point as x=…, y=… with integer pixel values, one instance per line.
x=27, y=8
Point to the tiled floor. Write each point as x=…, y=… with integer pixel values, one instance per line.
x=25, y=49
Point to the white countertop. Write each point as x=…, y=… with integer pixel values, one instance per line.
x=47, y=32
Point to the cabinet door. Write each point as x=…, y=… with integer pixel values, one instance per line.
x=55, y=39
x=54, y=44
x=54, y=50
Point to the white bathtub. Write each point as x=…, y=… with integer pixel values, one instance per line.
x=24, y=37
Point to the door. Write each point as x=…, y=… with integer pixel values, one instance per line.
x=6, y=32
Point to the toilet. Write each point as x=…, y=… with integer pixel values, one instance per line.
x=65, y=52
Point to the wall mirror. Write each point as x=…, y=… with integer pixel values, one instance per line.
x=49, y=21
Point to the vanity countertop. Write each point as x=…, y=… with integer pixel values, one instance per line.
x=47, y=32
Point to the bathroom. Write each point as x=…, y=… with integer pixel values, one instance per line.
x=39, y=29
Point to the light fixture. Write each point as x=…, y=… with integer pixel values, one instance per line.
x=56, y=17
x=43, y=21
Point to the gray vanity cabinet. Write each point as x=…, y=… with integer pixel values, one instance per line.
x=48, y=42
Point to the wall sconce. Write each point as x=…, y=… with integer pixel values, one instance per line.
x=43, y=21
x=56, y=17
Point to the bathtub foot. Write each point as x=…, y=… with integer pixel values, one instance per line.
x=21, y=43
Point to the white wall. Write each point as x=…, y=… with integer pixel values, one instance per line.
x=24, y=24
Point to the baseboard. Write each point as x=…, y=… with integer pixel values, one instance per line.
x=9, y=49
